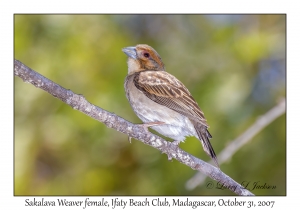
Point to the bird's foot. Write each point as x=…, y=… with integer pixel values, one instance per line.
x=176, y=143
x=169, y=157
x=150, y=124
x=129, y=139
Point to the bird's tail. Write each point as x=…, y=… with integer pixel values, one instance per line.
x=204, y=137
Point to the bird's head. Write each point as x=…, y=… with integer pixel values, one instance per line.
x=143, y=57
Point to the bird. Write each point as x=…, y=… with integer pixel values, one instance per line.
x=161, y=101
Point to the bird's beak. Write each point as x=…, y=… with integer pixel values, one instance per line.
x=130, y=52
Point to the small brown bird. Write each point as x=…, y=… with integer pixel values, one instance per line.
x=161, y=100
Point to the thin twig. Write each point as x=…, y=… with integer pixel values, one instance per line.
x=240, y=141
x=132, y=130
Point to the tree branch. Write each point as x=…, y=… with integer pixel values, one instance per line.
x=132, y=130
x=240, y=141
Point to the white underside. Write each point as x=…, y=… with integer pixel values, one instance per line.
x=176, y=126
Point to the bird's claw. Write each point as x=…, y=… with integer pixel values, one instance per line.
x=176, y=143
x=129, y=139
x=173, y=144
x=169, y=157
x=150, y=124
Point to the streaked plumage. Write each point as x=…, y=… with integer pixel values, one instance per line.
x=157, y=96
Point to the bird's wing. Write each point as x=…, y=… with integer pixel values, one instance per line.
x=165, y=89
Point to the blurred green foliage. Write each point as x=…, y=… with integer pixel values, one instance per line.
x=234, y=66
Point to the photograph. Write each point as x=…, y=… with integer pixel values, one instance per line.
x=149, y=105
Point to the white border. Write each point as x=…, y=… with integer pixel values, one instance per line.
x=8, y=201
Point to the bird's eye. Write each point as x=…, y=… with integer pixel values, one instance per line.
x=146, y=55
